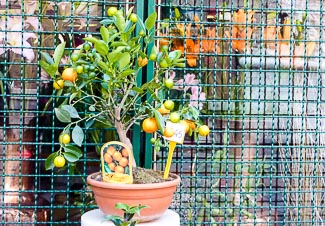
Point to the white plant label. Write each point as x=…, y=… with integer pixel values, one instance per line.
x=179, y=132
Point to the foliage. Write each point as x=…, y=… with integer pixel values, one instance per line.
x=225, y=204
x=107, y=92
x=129, y=212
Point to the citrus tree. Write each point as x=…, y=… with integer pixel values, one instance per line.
x=101, y=86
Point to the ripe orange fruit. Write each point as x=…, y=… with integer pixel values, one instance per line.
x=169, y=132
x=204, y=130
x=107, y=158
x=123, y=162
x=69, y=74
x=111, y=150
x=119, y=169
x=142, y=61
x=191, y=124
x=125, y=153
x=149, y=125
x=117, y=156
x=112, y=166
x=163, y=110
x=186, y=125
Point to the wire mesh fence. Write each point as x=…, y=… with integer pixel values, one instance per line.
x=255, y=68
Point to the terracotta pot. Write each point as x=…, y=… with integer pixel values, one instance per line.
x=157, y=196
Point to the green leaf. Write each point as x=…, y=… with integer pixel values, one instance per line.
x=125, y=60
x=47, y=57
x=154, y=50
x=160, y=120
x=137, y=89
x=72, y=111
x=49, y=162
x=73, y=150
x=70, y=157
x=77, y=135
x=104, y=33
x=99, y=45
x=62, y=115
x=175, y=54
x=58, y=53
x=73, y=95
x=122, y=206
x=103, y=65
x=101, y=48
x=114, y=56
x=106, y=21
x=126, y=72
x=150, y=21
x=128, y=25
x=120, y=22
x=141, y=24
x=116, y=44
x=129, y=12
x=50, y=69
x=194, y=112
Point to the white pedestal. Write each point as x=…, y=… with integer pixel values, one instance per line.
x=95, y=217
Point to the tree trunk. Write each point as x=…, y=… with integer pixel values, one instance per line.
x=122, y=134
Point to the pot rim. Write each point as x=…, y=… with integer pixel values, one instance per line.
x=103, y=184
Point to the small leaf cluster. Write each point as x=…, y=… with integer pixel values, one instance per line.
x=129, y=212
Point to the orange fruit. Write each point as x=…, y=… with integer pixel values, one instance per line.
x=191, y=124
x=108, y=158
x=125, y=153
x=111, y=150
x=111, y=11
x=169, y=132
x=117, y=156
x=112, y=166
x=204, y=130
x=169, y=104
x=119, y=169
x=58, y=84
x=163, y=110
x=186, y=125
x=69, y=74
x=149, y=125
x=123, y=162
x=59, y=161
x=134, y=17
x=174, y=117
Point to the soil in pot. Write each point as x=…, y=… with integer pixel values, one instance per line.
x=144, y=176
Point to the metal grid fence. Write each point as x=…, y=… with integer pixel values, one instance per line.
x=257, y=69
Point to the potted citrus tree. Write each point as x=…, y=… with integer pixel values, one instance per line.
x=100, y=88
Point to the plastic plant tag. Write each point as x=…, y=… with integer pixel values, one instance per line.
x=116, y=164
x=177, y=138
x=179, y=132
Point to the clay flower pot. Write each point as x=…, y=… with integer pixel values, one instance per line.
x=157, y=196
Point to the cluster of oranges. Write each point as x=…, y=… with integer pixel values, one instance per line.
x=150, y=125
x=117, y=161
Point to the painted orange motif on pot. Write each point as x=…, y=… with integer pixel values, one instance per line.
x=116, y=166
